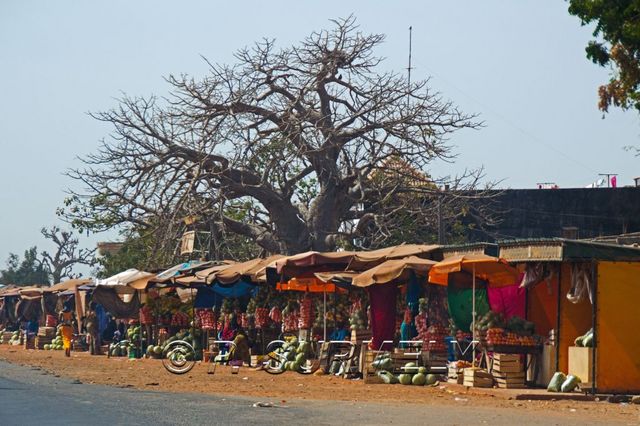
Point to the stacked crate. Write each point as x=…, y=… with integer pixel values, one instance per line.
x=44, y=337
x=508, y=371
x=369, y=373
x=477, y=378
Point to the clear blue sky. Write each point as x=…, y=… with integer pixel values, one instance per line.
x=521, y=65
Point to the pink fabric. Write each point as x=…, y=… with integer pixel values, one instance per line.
x=510, y=300
x=383, y=314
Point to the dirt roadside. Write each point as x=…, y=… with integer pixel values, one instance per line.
x=149, y=374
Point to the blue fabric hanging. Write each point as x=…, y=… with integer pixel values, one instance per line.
x=238, y=289
x=414, y=288
x=207, y=298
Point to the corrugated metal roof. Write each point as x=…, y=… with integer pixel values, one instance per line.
x=559, y=249
x=490, y=249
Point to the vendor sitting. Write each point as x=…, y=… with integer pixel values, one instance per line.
x=340, y=333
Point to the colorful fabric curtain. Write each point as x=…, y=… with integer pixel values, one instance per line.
x=510, y=300
x=383, y=314
x=461, y=305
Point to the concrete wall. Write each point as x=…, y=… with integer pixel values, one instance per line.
x=538, y=213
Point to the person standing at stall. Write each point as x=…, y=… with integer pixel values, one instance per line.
x=66, y=328
x=91, y=323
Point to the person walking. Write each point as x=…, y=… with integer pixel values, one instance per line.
x=66, y=328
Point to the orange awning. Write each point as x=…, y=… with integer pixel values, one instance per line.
x=311, y=285
x=497, y=272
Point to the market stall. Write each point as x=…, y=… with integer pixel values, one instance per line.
x=505, y=341
x=416, y=344
x=585, y=294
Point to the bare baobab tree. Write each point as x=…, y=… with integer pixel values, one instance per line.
x=283, y=147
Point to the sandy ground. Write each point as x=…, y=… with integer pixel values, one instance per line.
x=149, y=374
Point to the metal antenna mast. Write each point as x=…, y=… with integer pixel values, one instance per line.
x=409, y=70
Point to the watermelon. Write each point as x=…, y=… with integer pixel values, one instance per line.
x=422, y=370
x=410, y=367
x=418, y=379
x=387, y=377
x=556, y=382
x=431, y=379
x=405, y=379
x=300, y=358
x=570, y=383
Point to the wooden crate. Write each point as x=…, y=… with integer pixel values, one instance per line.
x=400, y=359
x=506, y=357
x=509, y=380
x=369, y=374
x=581, y=364
x=47, y=332
x=508, y=385
x=358, y=336
x=6, y=336
x=478, y=378
x=40, y=341
x=29, y=342
x=507, y=363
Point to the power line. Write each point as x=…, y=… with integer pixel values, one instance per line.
x=509, y=122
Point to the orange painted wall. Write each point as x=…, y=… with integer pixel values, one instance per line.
x=617, y=333
x=575, y=319
x=542, y=309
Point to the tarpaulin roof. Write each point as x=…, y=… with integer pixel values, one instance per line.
x=337, y=277
x=392, y=270
x=131, y=277
x=8, y=289
x=67, y=285
x=364, y=260
x=253, y=269
x=179, y=269
x=495, y=271
x=31, y=292
x=200, y=277
x=312, y=258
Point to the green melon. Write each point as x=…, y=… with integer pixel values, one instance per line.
x=418, y=379
x=405, y=379
x=431, y=379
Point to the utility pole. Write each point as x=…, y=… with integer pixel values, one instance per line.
x=441, y=236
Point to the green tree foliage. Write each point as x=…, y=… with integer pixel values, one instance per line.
x=617, y=45
x=29, y=270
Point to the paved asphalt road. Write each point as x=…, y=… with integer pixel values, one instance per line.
x=30, y=396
